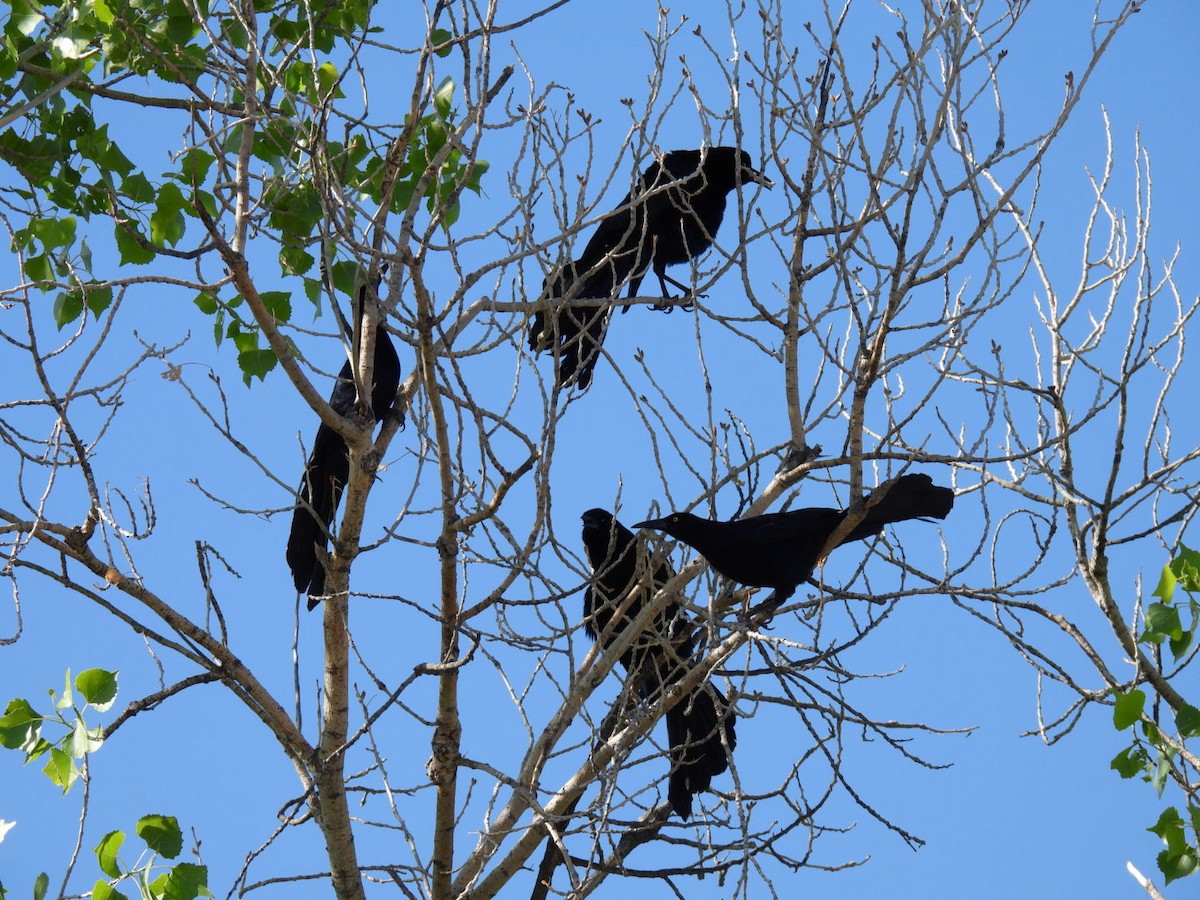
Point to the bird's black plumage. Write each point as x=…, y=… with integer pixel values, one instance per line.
x=780, y=550
x=671, y=217
x=699, y=727
x=328, y=469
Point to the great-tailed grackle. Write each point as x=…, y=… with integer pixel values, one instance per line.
x=780, y=550
x=328, y=468
x=699, y=727
x=670, y=218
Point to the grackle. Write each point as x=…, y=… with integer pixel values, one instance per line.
x=671, y=217
x=780, y=550
x=700, y=726
x=328, y=468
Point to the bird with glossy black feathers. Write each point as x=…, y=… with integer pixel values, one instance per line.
x=780, y=550
x=700, y=727
x=328, y=468
x=671, y=217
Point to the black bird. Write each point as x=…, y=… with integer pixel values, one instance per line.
x=780, y=550
x=328, y=468
x=657, y=658
x=671, y=217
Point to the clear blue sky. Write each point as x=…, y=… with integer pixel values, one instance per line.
x=1008, y=817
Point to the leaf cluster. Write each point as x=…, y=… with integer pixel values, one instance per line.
x=1155, y=756
x=24, y=729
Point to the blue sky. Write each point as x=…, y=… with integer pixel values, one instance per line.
x=1006, y=816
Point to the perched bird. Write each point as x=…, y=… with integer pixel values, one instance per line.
x=780, y=550
x=670, y=218
x=699, y=727
x=328, y=468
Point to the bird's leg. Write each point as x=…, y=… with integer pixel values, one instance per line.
x=689, y=296
x=762, y=612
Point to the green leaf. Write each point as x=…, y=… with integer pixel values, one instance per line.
x=312, y=290
x=295, y=260
x=185, y=881
x=235, y=32
x=167, y=223
x=1162, y=771
x=39, y=268
x=161, y=834
x=98, y=299
x=357, y=150
x=278, y=304
x=195, y=165
x=1186, y=567
x=24, y=19
x=477, y=172
x=1166, y=584
x=61, y=770
x=137, y=188
x=327, y=79
x=67, y=700
x=1187, y=720
x=1180, y=858
x=95, y=144
x=68, y=306
x=444, y=96
x=440, y=36
x=71, y=43
x=1182, y=644
x=206, y=302
x=1178, y=864
x=51, y=233
x=83, y=740
x=295, y=211
x=103, y=12
x=20, y=726
x=1128, y=709
x=104, y=891
x=256, y=363
x=1169, y=827
x=242, y=339
x=106, y=853
x=40, y=885
x=132, y=251
x=1162, y=622
x=206, y=200
x=1130, y=762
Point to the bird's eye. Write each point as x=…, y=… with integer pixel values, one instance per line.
x=674, y=519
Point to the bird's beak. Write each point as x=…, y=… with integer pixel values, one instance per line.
x=651, y=523
x=758, y=177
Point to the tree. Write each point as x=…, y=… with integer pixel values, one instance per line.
x=314, y=151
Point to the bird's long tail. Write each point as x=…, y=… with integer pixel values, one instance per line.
x=575, y=334
x=700, y=730
x=320, y=489
x=912, y=496
x=579, y=354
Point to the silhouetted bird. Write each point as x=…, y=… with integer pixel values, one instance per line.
x=658, y=657
x=329, y=468
x=671, y=217
x=780, y=550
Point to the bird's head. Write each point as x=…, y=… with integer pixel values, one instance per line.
x=600, y=520
x=677, y=524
